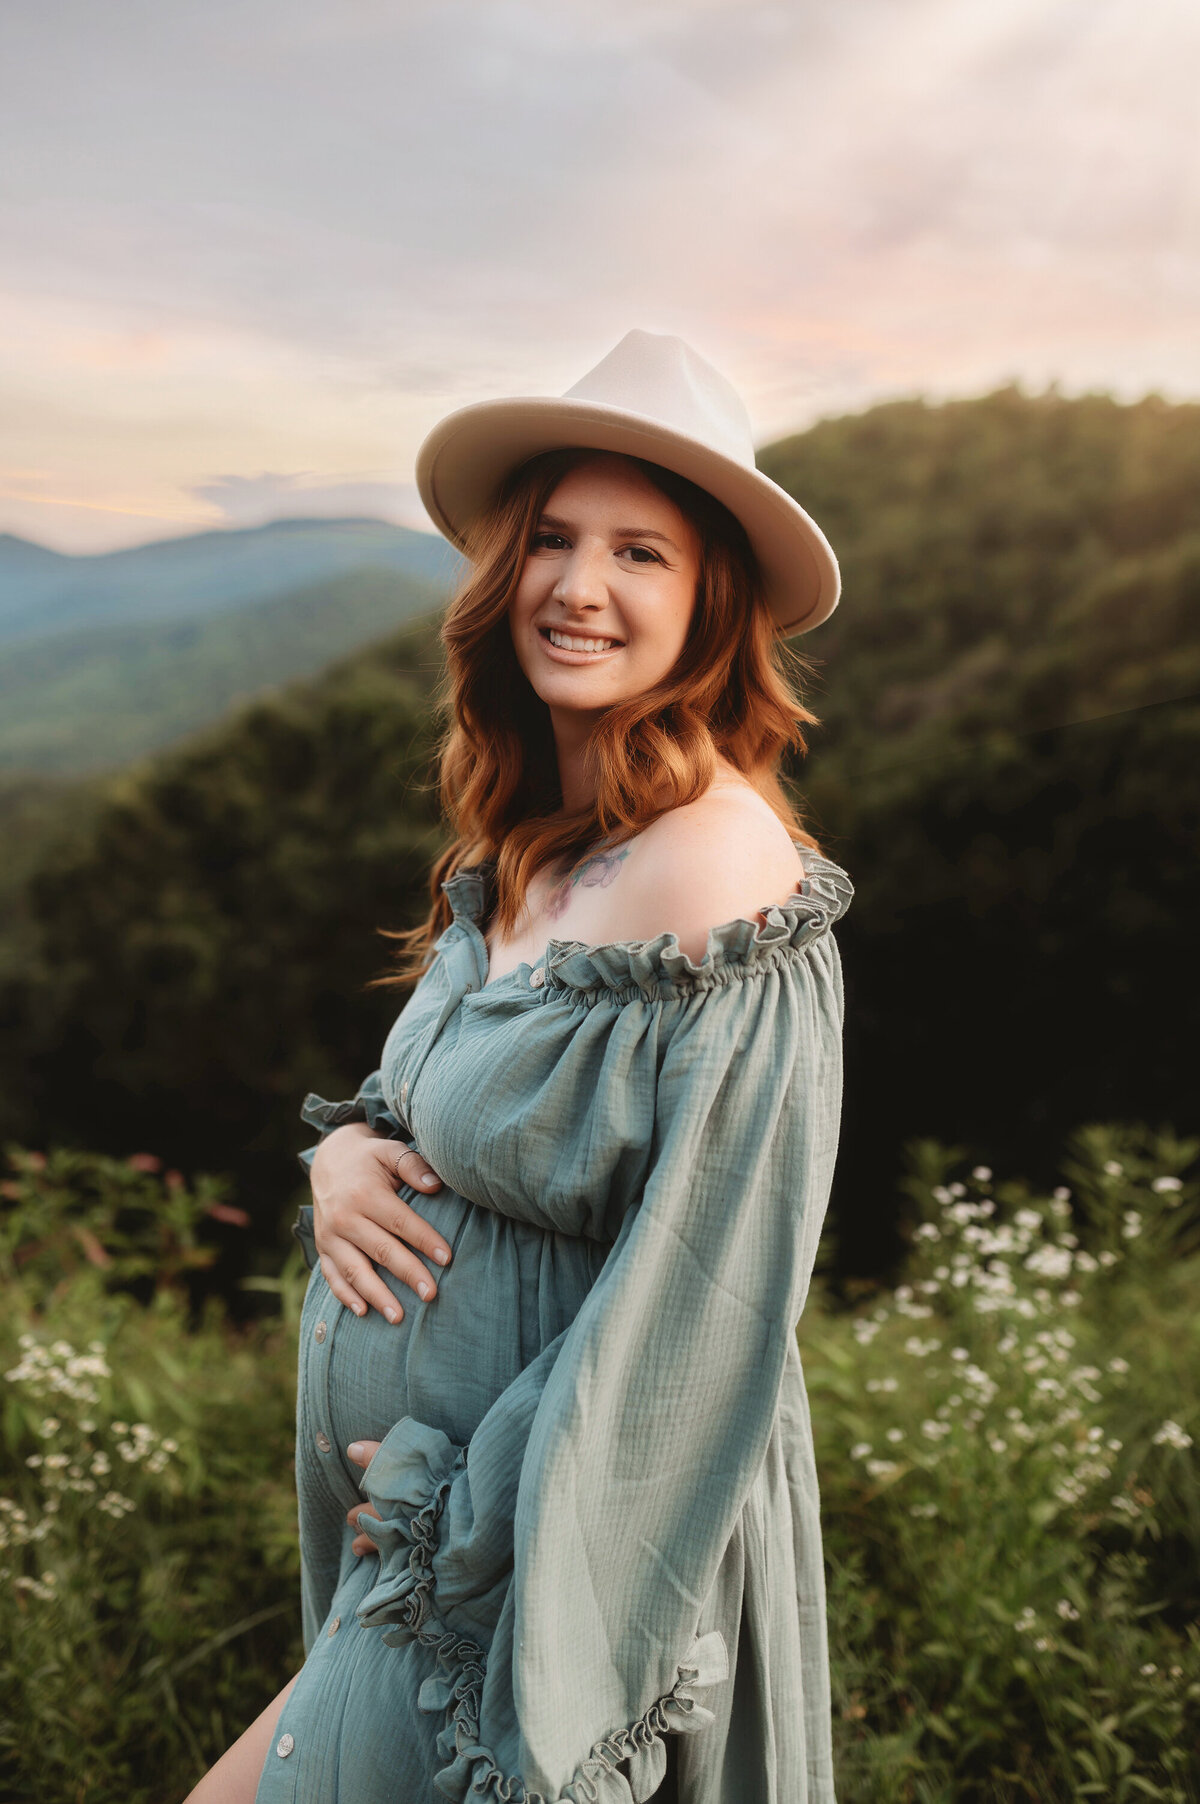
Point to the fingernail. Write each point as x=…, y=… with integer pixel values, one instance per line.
x=355, y=1450
x=441, y=1254
x=393, y=1315
x=429, y=1180
x=422, y=1288
x=359, y=1308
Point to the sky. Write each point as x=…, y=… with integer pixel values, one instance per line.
x=252, y=250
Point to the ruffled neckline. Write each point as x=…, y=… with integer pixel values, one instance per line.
x=660, y=963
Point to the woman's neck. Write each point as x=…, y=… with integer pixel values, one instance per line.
x=572, y=733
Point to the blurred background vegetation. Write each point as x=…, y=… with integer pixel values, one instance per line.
x=1007, y=766
x=1008, y=1479
x=204, y=822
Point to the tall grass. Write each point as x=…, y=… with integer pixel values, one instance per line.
x=1006, y=1446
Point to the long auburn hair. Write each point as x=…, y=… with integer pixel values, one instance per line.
x=733, y=691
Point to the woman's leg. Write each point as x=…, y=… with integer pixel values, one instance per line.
x=234, y=1779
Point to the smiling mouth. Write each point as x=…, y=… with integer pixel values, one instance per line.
x=590, y=643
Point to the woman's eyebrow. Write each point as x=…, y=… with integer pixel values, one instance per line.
x=622, y=532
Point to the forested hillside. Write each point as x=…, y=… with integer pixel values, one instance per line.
x=96, y=697
x=107, y=657
x=1007, y=766
x=1013, y=562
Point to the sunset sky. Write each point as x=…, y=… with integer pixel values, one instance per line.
x=251, y=251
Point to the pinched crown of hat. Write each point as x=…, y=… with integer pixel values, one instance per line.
x=656, y=398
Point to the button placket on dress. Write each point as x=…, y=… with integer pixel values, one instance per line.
x=318, y=1353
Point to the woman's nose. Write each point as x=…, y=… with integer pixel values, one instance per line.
x=582, y=578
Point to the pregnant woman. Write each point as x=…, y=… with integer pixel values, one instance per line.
x=559, y=1516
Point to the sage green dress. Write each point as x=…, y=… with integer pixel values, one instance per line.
x=599, y=1573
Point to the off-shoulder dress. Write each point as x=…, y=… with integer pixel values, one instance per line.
x=599, y=1574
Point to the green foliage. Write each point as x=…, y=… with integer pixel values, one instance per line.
x=1013, y=562
x=40, y=818
x=1006, y=1445
x=194, y=960
x=148, y=1564
x=1006, y=1441
x=206, y=950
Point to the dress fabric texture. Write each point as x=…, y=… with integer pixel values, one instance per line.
x=599, y=1575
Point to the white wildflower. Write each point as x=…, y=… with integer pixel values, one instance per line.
x=113, y=1504
x=1049, y=1262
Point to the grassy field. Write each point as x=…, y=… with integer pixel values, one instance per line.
x=1005, y=1441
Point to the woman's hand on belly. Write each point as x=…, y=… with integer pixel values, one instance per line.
x=357, y=1218
x=362, y=1453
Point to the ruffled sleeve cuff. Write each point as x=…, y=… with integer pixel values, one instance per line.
x=369, y=1105
x=407, y=1482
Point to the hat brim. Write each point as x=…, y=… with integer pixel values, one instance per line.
x=465, y=458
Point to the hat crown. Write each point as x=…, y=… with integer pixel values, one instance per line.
x=663, y=379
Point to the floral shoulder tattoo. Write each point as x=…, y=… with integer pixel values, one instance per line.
x=596, y=871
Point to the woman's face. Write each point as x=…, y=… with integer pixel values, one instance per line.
x=602, y=608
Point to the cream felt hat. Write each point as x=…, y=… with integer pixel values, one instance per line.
x=653, y=397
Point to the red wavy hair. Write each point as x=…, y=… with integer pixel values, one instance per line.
x=733, y=691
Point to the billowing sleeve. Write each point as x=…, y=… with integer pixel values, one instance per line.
x=558, y=1567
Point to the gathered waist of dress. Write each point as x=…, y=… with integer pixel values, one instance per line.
x=511, y=1288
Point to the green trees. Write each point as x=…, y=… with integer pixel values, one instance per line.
x=200, y=958
x=1006, y=765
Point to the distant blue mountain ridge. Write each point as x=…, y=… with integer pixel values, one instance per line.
x=105, y=658
x=46, y=592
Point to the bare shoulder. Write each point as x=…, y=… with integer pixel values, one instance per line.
x=723, y=858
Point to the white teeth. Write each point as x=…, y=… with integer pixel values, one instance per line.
x=566, y=643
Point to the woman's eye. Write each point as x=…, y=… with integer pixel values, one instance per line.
x=539, y=539
x=643, y=552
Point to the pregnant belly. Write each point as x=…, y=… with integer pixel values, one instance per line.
x=509, y=1289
